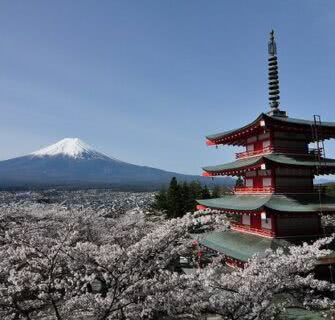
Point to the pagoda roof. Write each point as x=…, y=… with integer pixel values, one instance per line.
x=303, y=203
x=238, y=166
x=241, y=246
x=238, y=136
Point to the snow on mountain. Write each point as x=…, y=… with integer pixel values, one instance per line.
x=70, y=147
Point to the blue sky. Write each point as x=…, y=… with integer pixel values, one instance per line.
x=145, y=81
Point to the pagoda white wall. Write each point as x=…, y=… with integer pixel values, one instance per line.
x=258, y=142
x=267, y=181
x=250, y=147
x=246, y=219
x=249, y=182
x=266, y=223
x=266, y=143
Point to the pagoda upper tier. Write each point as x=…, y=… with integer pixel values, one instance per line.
x=281, y=163
x=273, y=122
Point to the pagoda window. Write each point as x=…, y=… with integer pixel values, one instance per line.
x=250, y=147
x=246, y=219
x=267, y=182
x=266, y=143
x=249, y=183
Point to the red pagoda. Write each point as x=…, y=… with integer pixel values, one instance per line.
x=277, y=203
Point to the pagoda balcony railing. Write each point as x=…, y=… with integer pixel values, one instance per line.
x=283, y=189
x=269, y=149
x=254, y=190
x=249, y=229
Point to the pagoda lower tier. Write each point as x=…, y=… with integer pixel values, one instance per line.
x=274, y=173
x=261, y=222
x=274, y=216
x=239, y=247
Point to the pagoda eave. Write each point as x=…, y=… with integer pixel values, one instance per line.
x=229, y=211
x=240, y=246
x=272, y=160
x=264, y=121
x=228, y=172
x=278, y=204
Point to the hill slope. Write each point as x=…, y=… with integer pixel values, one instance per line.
x=73, y=162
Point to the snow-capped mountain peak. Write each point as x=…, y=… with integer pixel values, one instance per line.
x=70, y=147
x=71, y=162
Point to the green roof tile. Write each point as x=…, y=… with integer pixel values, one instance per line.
x=289, y=120
x=285, y=203
x=237, y=202
x=226, y=133
x=235, y=164
x=308, y=161
x=294, y=160
x=292, y=313
x=303, y=122
x=240, y=246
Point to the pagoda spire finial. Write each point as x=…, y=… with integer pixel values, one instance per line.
x=273, y=74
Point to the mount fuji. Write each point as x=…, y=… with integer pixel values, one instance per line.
x=72, y=162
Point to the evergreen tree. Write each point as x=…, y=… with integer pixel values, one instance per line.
x=174, y=200
x=195, y=190
x=160, y=202
x=179, y=199
x=205, y=194
x=188, y=204
x=216, y=192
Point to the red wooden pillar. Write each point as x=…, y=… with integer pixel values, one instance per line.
x=255, y=221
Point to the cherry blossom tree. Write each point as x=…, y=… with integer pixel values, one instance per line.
x=61, y=263
x=269, y=283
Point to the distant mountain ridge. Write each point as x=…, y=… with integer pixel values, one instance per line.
x=75, y=163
